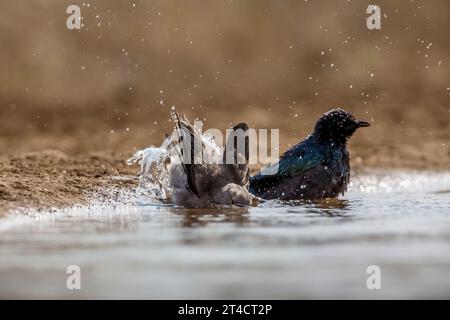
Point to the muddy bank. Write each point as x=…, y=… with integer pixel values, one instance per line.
x=50, y=179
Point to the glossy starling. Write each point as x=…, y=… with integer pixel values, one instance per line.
x=315, y=168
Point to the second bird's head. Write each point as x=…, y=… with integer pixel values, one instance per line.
x=337, y=126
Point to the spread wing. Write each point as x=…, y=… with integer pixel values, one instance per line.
x=237, y=171
x=188, y=138
x=203, y=175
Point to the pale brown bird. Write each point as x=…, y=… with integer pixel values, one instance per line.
x=200, y=178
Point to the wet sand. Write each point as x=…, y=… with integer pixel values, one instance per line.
x=52, y=179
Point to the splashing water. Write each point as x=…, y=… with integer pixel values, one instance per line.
x=154, y=173
x=156, y=164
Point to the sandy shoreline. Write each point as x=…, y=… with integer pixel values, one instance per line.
x=52, y=179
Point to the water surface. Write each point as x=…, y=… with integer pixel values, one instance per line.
x=399, y=221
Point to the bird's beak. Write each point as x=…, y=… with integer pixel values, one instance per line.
x=363, y=124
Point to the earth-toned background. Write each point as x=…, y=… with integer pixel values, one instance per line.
x=74, y=105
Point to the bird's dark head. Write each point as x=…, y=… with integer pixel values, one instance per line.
x=337, y=126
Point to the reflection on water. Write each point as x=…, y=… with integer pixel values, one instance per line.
x=399, y=221
x=201, y=217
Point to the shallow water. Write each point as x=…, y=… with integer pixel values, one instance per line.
x=399, y=221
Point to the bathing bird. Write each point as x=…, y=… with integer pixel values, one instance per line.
x=206, y=175
x=315, y=168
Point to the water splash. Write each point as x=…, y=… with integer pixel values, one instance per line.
x=158, y=164
x=154, y=173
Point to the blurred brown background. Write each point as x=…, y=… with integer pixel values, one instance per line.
x=274, y=64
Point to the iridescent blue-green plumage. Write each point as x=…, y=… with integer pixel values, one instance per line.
x=316, y=168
